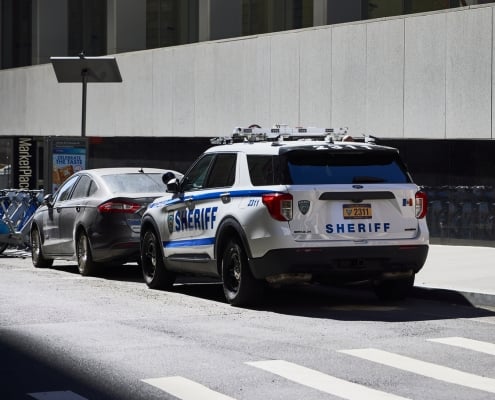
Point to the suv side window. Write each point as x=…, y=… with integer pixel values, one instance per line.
x=263, y=170
x=196, y=176
x=222, y=172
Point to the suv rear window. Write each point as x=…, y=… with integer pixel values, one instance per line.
x=302, y=167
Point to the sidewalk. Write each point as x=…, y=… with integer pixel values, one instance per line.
x=459, y=271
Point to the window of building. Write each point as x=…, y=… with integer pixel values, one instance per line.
x=87, y=20
x=15, y=33
x=171, y=22
x=388, y=8
x=264, y=16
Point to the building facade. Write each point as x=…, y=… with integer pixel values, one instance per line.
x=416, y=74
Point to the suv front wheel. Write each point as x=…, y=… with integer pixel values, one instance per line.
x=155, y=273
x=239, y=285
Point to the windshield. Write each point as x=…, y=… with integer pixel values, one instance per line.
x=132, y=183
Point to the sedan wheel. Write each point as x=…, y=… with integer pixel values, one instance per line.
x=85, y=261
x=39, y=260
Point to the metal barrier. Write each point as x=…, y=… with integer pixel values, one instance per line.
x=17, y=208
x=461, y=212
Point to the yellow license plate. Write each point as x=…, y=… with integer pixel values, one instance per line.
x=357, y=211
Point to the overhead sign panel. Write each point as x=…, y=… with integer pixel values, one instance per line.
x=95, y=69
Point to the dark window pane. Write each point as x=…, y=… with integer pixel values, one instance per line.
x=263, y=170
x=308, y=168
x=222, y=173
x=171, y=22
x=66, y=188
x=87, y=27
x=82, y=188
x=196, y=176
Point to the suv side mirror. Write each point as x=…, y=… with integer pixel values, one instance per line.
x=171, y=181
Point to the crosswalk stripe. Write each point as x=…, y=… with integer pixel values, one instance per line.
x=60, y=395
x=322, y=382
x=424, y=368
x=470, y=344
x=185, y=389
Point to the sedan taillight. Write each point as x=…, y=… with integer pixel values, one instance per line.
x=116, y=206
x=279, y=205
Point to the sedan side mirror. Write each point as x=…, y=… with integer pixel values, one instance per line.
x=48, y=200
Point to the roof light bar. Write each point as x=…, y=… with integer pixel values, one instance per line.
x=255, y=133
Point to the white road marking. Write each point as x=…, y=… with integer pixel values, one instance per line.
x=65, y=395
x=427, y=369
x=470, y=344
x=322, y=382
x=185, y=389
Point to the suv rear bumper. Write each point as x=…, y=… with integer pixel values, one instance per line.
x=344, y=264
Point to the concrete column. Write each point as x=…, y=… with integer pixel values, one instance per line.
x=111, y=26
x=320, y=12
x=204, y=20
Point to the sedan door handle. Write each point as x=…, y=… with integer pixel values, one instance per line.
x=78, y=208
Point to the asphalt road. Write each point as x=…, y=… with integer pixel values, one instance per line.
x=66, y=337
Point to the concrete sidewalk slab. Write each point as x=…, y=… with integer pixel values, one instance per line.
x=464, y=271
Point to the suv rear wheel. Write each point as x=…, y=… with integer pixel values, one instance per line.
x=239, y=285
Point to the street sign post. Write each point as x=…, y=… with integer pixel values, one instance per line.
x=86, y=70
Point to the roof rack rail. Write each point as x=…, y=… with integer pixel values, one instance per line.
x=254, y=133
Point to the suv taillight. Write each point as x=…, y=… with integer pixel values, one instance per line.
x=117, y=206
x=421, y=204
x=279, y=205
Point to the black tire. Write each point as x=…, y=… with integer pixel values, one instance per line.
x=155, y=272
x=239, y=285
x=85, y=263
x=394, y=289
x=38, y=258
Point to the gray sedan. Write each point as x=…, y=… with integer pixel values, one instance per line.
x=95, y=217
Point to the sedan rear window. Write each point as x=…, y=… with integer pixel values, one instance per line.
x=132, y=183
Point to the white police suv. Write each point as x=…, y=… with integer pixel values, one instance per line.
x=288, y=205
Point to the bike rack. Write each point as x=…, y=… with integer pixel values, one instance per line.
x=17, y=208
